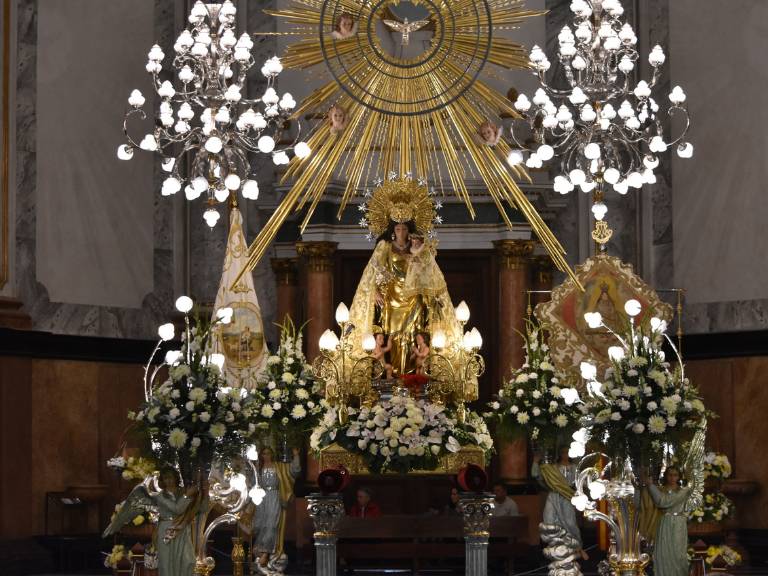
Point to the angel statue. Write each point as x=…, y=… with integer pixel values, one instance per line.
x=268, y=528
x=675, y=502
x=175, y=553
x=559, y=529
x=402, y=291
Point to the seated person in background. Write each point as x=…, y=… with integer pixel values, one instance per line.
x=503, y=504
x=365, y=507
x=452, y=508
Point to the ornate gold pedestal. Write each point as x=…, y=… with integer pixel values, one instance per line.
x=334, y=455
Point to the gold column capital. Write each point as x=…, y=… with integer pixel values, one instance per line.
x=514, y=254
x=285, y=270
x=319, y=255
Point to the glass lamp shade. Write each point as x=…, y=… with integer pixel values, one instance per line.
x=211, y=216
x=124, y=152
x=477, y=339
x=184, y=304
x=302, y=150
x=439, y=339
x=462, y=312
x=632, y=308
x=166, y=332
x=369, y=343
x=328, y=341
x=342, y=314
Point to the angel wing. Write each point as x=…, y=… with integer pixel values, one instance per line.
x=394, y=24
x=137, y=502
x=694, y=469
x=417, y=25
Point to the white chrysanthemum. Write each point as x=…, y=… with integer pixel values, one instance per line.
x=298, y=412
x=218, y=430
x=638, y=428
x=615, y=416
x=523, y=417
x=302, y=394
x=520, y=392
x=273, y=360
x=652, y=406
x=669, y=404
x=177, y=438
x=287, y=377
x=204, y=417
x=174, y=413
x=536, y=394
x=521, y=379
x=561, y=420
x=555, y=391
x=197, y=395
x=275, y=394
x=656, y=424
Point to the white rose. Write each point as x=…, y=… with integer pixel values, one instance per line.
x=174, y=413
x=195, y=442
x=435, y=449
x=190, y=406
x=536, y=412
x=271, y=385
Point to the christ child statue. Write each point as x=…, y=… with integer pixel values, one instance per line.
x=380, y=353
x=420, y=352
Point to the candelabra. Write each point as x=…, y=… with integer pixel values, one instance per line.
x=207, y=118
x=605, y=131
x=453, y=368
x=344, y=375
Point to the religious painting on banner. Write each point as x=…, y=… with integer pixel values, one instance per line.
x=242, y=340
x=608, y=283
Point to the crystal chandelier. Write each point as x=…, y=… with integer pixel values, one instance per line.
x=206, y=117
x=605, y=129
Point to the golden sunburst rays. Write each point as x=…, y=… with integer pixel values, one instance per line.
x=404, y=107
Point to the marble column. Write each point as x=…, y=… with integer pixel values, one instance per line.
x=287, y=289
x=476, y=510
x=326, y=511
x=318, y=263
x=514, y=281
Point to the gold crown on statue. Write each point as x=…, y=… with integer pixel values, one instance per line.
x=400, y=200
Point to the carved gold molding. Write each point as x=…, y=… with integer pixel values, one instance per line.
x=334, y=455
x=319, y=255
x=285, y=271
x=6, y=136
x=514, y=254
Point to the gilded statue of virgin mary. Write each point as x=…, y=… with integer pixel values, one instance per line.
x=402, y=291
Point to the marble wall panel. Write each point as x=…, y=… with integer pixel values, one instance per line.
x=165, y=228
x=94, y=215
x=719, y=202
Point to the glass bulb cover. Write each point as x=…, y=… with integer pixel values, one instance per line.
x=211, y=217
x=251, y=189
x=369, y=343
x=611, y=175
x=515, y=157
x=266, y=144
x=439, y=339
x=632, y=307
x=592, y=151
x=124, y=152
x=184, y=304
x=302, y=150
x=577, y=176
x=462, y=312
x=342, y=313
x=232, y=181
x=685, y=150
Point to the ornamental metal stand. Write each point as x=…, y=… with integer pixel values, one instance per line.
x=476, y=511
x=326, y=511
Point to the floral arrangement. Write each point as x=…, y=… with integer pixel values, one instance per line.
x=402, y=434
x=117, y=555
x=291, y=403
x=717, y=465
x=727, y=554
x=193, y=417
x=132, y=468
x=642, y=404
x=146, y=515
x=531, y=403
x=716, y=508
